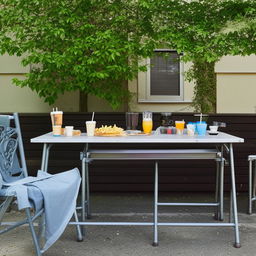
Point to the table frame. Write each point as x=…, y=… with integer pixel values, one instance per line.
x=87, y=156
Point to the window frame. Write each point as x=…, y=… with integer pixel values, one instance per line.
x=145, y=92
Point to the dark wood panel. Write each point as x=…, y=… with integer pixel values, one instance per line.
x=138, y=175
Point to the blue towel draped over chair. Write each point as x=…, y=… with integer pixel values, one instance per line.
x=52, y=196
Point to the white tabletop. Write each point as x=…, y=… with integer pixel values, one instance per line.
x=163, y=138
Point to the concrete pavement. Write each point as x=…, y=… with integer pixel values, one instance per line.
x=136, y=241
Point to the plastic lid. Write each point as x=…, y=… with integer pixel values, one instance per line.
x=57, y=112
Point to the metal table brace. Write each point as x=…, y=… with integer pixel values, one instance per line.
x=87, y=156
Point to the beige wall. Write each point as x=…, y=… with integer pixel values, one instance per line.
x=16, y=99
x=236, y=88
x=236, y=84
x=11, y=65
x=13, y=98
x=236, y=93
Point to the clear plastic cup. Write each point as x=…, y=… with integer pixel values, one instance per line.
x=180, y=125
x=57, y=118
x=191, y=129
x=90, y=128
x=201, y=129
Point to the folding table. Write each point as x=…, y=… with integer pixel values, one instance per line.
x=220, y=143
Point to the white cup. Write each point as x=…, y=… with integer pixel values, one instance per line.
x=214, y=128
x=69, y=131
x=90, y=128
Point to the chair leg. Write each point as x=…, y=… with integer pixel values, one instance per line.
x=4, y=206
x=35, y=239
x=41, y=226
x=78, y=229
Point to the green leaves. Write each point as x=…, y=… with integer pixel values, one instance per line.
x=92, y=46
x=96, y=45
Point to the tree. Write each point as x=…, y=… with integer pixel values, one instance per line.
x=95, y=45
x=205, y=31
x=87, y=45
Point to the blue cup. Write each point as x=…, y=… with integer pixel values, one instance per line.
x=201, y=128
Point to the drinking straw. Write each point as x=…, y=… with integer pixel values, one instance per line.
x=92, y=116
x=201, y=117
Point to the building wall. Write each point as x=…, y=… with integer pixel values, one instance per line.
x=236, y=84
x=236, y=87
x=16, y=99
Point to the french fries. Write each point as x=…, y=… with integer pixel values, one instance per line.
x=105, y=130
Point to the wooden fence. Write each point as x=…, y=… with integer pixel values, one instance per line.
x=137, y=176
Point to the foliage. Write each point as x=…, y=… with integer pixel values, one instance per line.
x=205, y=31
x=203, y=74
x=203, y=28
x=77, y=44
x=94, y=45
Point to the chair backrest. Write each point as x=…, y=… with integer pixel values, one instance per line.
x=12, y=157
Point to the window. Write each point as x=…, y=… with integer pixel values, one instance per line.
x=163, y=81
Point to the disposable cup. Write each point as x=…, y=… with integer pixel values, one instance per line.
x=69, y=131
x=57, y=118
x=179, y=127
x=201, y=128
x=90, y=128
x=191, y=129
x=56, y=130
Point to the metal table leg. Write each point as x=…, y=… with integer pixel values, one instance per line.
x=45, y=157
x=234, y=202
x=155, y=242
x=231, y=215
x=85, y=197
x=253, y=182
x=250, y=188
x=88, y=208
x=217, y=213
x=83, y=193
x=221, y=201
x=219, y=187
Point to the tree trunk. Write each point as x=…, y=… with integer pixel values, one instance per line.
x=83, y=102
x=203, y=73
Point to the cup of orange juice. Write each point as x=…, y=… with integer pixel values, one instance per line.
x=179, y=127
x=147, y=122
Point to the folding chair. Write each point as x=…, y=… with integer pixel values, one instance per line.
x=12, y=168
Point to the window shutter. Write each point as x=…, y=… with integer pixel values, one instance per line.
x=165, y=74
